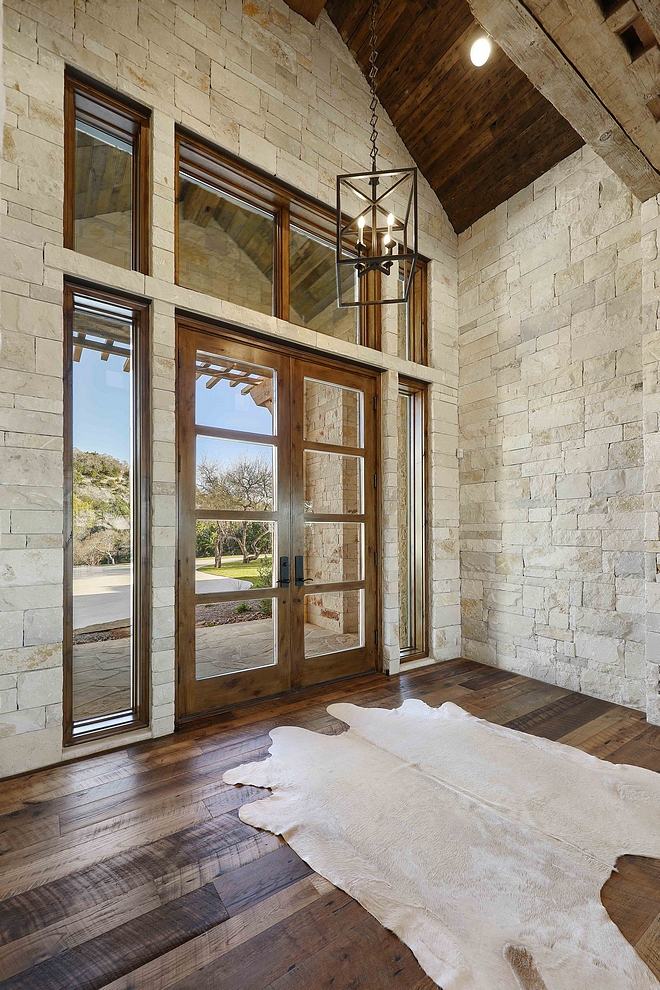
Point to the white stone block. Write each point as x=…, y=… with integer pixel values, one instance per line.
x=40, y=687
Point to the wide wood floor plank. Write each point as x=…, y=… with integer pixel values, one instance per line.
x=130, y=870
x=246, y=886
x=122, y=949
x=195, y=956
x=175, y=864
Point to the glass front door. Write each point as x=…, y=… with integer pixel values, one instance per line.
x=277, y=559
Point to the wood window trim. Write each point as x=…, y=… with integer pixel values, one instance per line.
x=408, y=386
x=289, y=207
x=418, y=313
x=93, y=728
x=89, y=101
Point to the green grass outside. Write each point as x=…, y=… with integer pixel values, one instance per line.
x=237, y=569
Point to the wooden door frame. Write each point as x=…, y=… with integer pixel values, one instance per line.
x=186, y=322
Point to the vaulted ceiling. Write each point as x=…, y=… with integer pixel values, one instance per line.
x=478, y=135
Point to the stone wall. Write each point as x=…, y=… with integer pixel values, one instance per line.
x=261, y=82
x=551, y=418
x=651, y=407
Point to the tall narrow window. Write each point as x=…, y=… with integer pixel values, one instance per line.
x=412, y=318
x=411, y=516
x=106, y=561
x=106, y=176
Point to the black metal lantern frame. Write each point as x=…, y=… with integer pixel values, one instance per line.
x=376, y=218
x=377, y=229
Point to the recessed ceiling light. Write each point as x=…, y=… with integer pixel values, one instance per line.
x=480, y=51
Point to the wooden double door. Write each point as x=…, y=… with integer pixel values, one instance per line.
x=278, y=575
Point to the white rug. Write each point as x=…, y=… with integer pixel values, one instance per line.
x=484, y=849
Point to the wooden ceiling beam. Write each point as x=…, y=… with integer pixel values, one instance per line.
x=517, y=32
x=309, y=9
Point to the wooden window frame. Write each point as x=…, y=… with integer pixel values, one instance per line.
x=107, y=725
x=417, y=314
x=230, y=175
x=418, y=617
x=120, y=117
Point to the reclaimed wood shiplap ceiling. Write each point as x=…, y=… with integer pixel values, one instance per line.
x=478, y=135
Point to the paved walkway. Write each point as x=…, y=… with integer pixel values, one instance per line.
x=102, y=671
x=103, y=594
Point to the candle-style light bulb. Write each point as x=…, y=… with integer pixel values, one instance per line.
x=387, y=240
x=360, y=240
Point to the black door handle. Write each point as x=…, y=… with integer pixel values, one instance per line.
x=284, y=572
x=300, y=573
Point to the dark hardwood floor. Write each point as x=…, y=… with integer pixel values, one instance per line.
x=132, y=870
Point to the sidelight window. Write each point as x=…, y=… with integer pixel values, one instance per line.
x=106, y=464
x=412, y=512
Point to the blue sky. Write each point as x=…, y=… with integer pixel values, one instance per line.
x=101, y=405
x=224, y=406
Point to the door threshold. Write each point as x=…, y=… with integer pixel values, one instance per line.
x=414, y=664
x=225, y=715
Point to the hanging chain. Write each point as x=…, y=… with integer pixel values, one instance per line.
x=372, y=84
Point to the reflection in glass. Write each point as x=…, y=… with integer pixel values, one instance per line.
x=410, y=515
x=233, y=555
x=103, y=209
x=333, y=414
x=333, y=482
x=233, y=395
x=225, y=248
x=334, y=621
x=103, y=484
x=314, y=289
x=334, y=552
x=403, y=520
x=235, y=636
x=234, y=475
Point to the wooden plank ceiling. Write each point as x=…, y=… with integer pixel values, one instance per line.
x=478, y=135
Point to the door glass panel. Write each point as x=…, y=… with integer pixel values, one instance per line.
x=333, y=414
x=233, y=555
x=233, y=395
x=333, y=482
x=313, y=298
x=234, y=475
x=103, y=208
x=103, y=484
x=225, y=248
x=235, y=636
x=334, y=552
x=334, y=621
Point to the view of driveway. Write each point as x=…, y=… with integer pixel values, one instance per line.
x=102, y=594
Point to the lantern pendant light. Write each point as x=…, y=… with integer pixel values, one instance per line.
x=376, y=220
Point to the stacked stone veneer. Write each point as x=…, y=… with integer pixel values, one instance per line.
x=259, y=81
x=553, y=415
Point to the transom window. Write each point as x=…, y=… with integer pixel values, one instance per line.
x=246, y=238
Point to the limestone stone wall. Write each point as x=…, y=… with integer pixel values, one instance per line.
x=261, y=82
x=552, y=435
x=651, y=407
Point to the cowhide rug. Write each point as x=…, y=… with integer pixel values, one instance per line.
x=484, y=849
